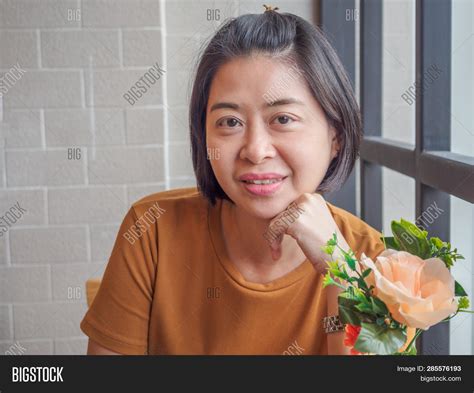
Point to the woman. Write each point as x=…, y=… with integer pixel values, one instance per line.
x=235, y=266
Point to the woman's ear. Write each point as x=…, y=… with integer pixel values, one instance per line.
x=335, y=145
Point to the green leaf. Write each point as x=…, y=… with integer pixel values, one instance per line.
x=366, y=272
x=448, y=261
x=437, y=242
x=333, y=240
x=347, y=313
x=411, y=352
x=379, y=306
x=444, y=252
x=459, y=290
x=366, y=308
x=411, y=239
x=380, y=340
x=390, y=242
x=337, y=273
x=361, y=283
x=359, y=295
x=349, y=258
x=328, y=249
x=463, y=303
x=351, y=262
x=333, y=265
x=328, y=280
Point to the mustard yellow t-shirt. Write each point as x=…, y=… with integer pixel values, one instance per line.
x=170, y=288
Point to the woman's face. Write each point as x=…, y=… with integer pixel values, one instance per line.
x=262, y=121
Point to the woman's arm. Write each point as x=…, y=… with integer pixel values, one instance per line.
x=313, y=226
x=120, y=312
x=94, y=348
x=336, y=339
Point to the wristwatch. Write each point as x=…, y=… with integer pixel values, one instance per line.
x=332, y=324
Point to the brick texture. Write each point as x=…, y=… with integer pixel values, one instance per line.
x=74, y=153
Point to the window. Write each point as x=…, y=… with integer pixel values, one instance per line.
x=398, y=70
x=414, y=74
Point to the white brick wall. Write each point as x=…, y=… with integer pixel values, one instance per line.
x=71, y=96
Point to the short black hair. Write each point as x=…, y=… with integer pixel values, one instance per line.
x=287, y=37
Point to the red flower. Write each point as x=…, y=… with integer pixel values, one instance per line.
x=352, y=332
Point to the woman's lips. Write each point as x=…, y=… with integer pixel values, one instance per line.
x=263, y=189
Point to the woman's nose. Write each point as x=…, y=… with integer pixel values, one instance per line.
x=258, y=144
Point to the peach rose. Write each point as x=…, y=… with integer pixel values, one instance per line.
x=418, y=293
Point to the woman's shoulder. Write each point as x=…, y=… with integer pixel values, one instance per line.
x=180, y=211
x=360, y=236
x=347, y=218
x=174, y=200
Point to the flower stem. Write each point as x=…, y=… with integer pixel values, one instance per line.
x=418, y=332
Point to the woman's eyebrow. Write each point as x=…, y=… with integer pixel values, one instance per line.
x=224, y=105
x=282, y=101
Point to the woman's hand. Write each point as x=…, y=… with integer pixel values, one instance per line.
x=309, y=221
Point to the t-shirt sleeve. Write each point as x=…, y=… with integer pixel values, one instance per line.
x=369, y=243
x=361, y=237
x=118, y=318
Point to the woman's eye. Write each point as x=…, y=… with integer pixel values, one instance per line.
x=229, y=122
x=283, y=119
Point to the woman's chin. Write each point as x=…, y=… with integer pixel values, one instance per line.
x=264, y=207
x=265, y=210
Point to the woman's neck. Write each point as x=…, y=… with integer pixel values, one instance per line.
x=249, y=250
